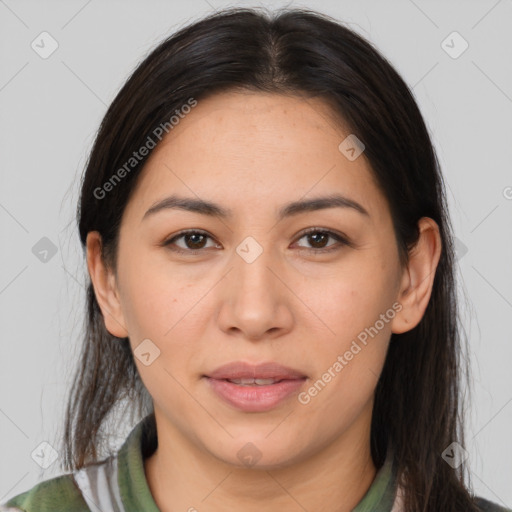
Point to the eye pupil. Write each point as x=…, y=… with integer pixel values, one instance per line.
x=317, y=235
x=193, y=235
x=195, y=241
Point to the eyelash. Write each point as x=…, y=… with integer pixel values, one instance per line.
x=338, y=237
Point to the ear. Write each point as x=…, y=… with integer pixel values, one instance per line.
x=103, y=280
x=418, y=277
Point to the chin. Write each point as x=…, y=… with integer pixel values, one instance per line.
x=257, y=452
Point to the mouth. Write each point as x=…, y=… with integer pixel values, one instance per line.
x=255, y=382
x=255, y=388
x=244, y=373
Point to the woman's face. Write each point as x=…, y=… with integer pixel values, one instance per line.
x=258, y=288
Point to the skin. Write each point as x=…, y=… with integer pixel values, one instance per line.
x=252, y=153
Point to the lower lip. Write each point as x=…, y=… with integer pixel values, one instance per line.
x=255, y=398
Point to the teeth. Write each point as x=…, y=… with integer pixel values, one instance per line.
x=252, y=382
x=263, y=382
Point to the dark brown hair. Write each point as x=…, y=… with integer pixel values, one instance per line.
x=418, y=404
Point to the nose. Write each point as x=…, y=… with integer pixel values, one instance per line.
x=255, y=300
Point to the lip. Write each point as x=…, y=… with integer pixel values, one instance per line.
x=268, y=370
x=255, y=398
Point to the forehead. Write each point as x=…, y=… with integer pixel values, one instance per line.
x=251, y=148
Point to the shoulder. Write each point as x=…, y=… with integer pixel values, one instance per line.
x=95, y=485
x=56, y=494
x=488, y=506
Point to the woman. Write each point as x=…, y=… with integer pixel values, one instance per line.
x=272, y=284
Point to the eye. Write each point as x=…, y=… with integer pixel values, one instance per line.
x=195, y=238
x=195, y=241
x=318, y=237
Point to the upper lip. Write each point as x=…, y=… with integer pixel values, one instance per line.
x=243, y=370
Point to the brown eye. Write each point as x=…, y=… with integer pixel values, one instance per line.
x=194, y=242
x=197, y=240
x=318, y=239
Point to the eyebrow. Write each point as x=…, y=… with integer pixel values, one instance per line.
x=190, y=204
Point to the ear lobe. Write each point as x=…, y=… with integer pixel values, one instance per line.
x=418, y=277
x=103, y=281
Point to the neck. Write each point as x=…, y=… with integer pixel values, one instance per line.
x=335, y=477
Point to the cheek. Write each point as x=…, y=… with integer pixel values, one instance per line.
x=154, y=297
x=349, y=301
x=160, y=309
x=356, y=313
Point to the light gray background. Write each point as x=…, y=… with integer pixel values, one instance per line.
x=51, y=108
